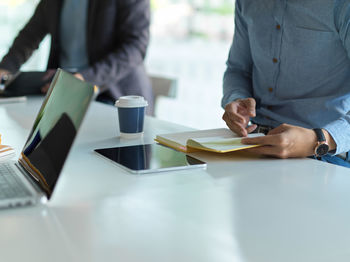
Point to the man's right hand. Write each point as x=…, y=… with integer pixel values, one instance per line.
x=4, y=76
x=4, y=72
x=237, y=116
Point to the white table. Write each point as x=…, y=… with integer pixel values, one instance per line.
x=242, y=208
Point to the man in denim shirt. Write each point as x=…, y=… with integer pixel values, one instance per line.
x=288, y=72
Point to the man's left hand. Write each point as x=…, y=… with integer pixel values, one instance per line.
x=50, y=74
x=287, y=141
x=79, y=76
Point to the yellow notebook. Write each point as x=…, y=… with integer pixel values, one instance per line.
x=219, y=140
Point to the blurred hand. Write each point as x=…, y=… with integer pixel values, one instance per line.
x=237, y=116
x=287, y=141
x=4, y=76
x=49, y=75
x=79, y=76
x=4, y=72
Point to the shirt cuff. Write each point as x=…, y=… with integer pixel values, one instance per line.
x=339, y=132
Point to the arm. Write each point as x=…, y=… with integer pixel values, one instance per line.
x=237, y=101
x=238, y=76
x=339, y=129
x=291, y=141
x=133, y=26
x=27, y=40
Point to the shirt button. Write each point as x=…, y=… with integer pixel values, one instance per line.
x=270, y=89
x=275, y=60
x=278, y=27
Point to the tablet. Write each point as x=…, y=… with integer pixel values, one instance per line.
x=149, y=158
x=25, y=83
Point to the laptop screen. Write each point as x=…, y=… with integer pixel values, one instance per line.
x=55, y=128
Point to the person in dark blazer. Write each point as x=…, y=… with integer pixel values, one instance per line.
x=101, y=41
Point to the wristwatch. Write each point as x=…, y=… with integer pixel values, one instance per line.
x=322, y=147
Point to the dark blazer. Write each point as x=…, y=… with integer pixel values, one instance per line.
x=117, y=39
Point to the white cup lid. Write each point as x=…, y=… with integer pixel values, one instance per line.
x=131, y=101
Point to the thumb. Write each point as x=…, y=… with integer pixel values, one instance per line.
x=280, y=129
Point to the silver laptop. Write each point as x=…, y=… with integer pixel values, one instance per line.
x=33, y=177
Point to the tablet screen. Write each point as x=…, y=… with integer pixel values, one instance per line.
x=26, y=83
x=149, y=158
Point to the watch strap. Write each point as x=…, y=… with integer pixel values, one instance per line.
x=319, y=134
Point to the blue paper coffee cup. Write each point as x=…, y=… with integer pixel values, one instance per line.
x=131, y=113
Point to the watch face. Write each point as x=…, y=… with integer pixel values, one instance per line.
x=322, y=150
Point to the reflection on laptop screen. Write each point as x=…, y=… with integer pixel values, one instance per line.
x=55, y=128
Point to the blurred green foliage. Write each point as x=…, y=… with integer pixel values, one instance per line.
x=226, y=7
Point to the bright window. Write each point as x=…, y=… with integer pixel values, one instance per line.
x=190, y=42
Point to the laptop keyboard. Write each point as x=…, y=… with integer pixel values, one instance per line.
x=11, y=185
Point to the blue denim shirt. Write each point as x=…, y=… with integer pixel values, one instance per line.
x=73, y=26
x=292, y=56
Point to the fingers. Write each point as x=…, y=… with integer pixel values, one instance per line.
x=235, y=121
x=279, y=129
x=4, y=72
x=79, y=76
x=284, y=141
x=49, y=74
x=235, y=126
x=249, y=104
x=234, y=117
x=271, y=145
x=268, y=140
x=47, y=77
x=236, y=112
x=4, y=75
x=237, y=115
x=251, y=128
x=239, y=129
x=45, y=88
x=269, y=151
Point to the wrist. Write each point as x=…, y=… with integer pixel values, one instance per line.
x=313, y=142
x=324, y=142
x=330, y=141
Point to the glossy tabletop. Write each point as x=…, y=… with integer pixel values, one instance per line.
x=241, y=208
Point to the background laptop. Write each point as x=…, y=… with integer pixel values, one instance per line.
x=33, y=178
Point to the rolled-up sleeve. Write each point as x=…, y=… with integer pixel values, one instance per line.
x=238, y=76
x=339, y=129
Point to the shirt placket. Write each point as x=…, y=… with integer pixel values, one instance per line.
x=279, y=13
